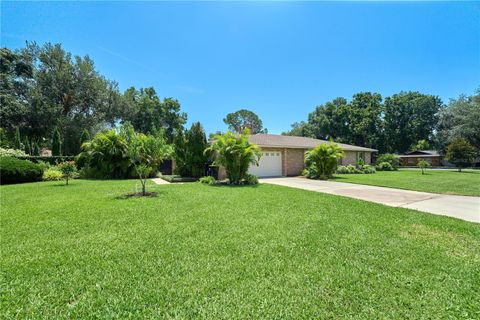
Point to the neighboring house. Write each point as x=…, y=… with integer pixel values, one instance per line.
x=410, y=159
x=285, y=155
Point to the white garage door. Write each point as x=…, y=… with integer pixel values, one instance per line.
x=270, y=165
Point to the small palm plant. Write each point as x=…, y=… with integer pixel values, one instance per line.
x=145, y=152
x=422, y=164
x=323, y=159
x=234, y=152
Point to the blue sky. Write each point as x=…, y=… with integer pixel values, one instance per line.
x=278, y=59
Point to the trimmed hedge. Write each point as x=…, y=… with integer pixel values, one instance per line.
x=53, y=160
x=14, y=170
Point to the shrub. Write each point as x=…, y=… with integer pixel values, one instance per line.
x=52, y=174
x=189, y=151
x=105, y=156
x=422, y=164
x=360, y=163
x=68, y=170
x=392, y=159
x=13, y=170
x=250, y=179
x=12, y=153
x=461, y=153
x=207, y=180
x=51, y=160
x=304, y=172
x=235, y=153
x=44, y=165
x=342, y=170
x=384, y=166
x=367, y=169
x=324, y=158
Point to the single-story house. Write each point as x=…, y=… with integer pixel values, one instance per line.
x=285, y=155
x=411, y=159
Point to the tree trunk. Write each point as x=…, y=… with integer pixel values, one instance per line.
x=142, y=181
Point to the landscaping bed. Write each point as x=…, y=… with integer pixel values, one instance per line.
x=197, y=251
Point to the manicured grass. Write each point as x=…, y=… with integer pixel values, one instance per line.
x=198, y=251
x=437, y=181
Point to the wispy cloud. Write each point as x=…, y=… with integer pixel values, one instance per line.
x=121, y=56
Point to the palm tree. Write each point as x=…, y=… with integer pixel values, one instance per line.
x=324, y=159
x=234, y=152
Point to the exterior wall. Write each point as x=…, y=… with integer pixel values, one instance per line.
x=413, y=161
x=351, y=157
x=295, y=162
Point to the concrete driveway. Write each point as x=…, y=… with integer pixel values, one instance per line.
x=461, y=207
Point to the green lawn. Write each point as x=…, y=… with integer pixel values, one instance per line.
x=198, y=251
x=437, y=181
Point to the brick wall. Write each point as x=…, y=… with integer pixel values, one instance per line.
x=295, y=161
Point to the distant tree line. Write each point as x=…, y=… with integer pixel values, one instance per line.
x=396, y=124
x=49, y=98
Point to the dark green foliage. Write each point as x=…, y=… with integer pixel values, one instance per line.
x=421, y=145
x=392, y=159
x=392, y=126
x=148, y=113
x=14, y=170
x=322, y=160
x=4, y=139
x=244, y=119
x=105, y=156
x=207, y=180
x=364, y=169
x=18, y=140
x=84, y=137
x=385, y=166
x=35, y=149
x=27, y=146
x=409, y=117
x=53, y=160
x=460, y=120
x=190, y=157
x=45, y=87
x=235, y=153
x=461, y=153
x=250, y=179
x=56, y=143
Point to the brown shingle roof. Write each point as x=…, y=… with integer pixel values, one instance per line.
x=279, y=141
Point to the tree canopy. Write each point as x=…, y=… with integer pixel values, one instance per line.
x=243, y=119
x=45, y=87
x=393, y=125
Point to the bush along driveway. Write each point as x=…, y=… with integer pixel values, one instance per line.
x=461, y=207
